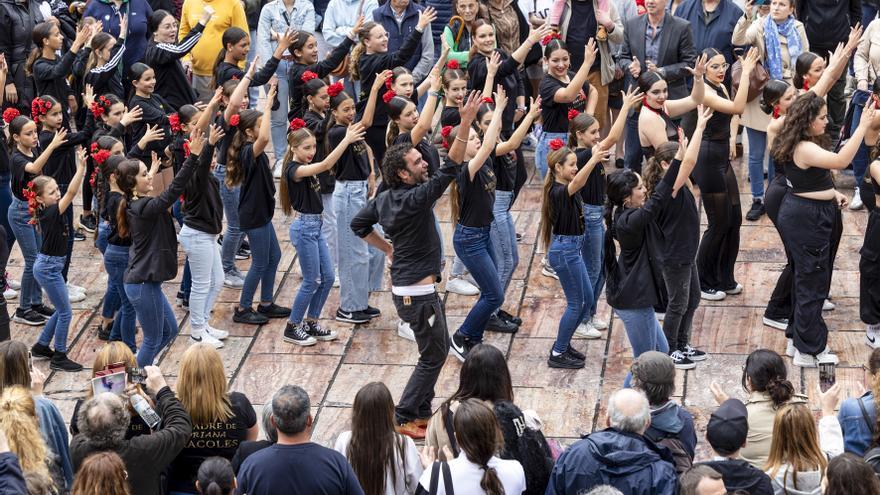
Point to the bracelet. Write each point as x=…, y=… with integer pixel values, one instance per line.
x=435, y=94
x=460, y=139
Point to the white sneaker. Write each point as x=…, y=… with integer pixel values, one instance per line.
x=713, y=295
x=76, y=288
x=216, y=333
x=586, y=330
x=336, y=280
x=598, y=324
x=734, y=291
x=405, y=331
x=206, y=338
x=233, y=281
x=10, y=293
x=461, y=286
x=828, y=305
x=856, y=203
x=827, y=357
x=15, y=284
x=75, y=296
x=278, y=169
x=789, y=348
x=803, y=360
x=660, y=316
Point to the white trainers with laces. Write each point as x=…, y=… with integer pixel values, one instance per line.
x=586, y=330
x=216, y=333
x=598, y=324
x=405, y=331
x=856, y=203
x=205, y=337
x=462, y=287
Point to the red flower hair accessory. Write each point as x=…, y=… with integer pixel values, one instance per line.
x=550, y=37
x=100, y=106
x=453, y=64
x=186, y=151
x=557, y=144
x=40, y=107
x=445, y=132
x=100, y=156
x=94, y=147
x=234, y=120
x=572, y=114
x=489, y=100
x=388, y=83
x=389, y=95
x=10, y=114
x=31, y=196
x=174, y=120
x=308, y=76
x=93, y=179
x=297, y=124
x=334, y=89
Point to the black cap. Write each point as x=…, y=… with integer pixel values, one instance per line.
x=728, y=427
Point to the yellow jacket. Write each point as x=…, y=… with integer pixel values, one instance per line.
x=228, y=13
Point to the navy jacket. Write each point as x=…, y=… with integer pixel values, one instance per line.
x=718, y=33
x=396, y=36
x=139, y=12
x=629, y=462
x=444, y=13
x=11, y=478
x=672, y=420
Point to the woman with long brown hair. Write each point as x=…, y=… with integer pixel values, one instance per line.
x=102, y=473
x=386, y=462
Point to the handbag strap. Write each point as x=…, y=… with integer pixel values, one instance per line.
x=435, y=470
x=865, y=415
x=447, y=479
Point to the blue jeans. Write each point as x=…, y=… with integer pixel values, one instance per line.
x=503, y=235
x=594, y=251
x=474, y=247
x=632, y=147
x=328, y=227
x=47, y=271
x=203, y=254
x=757, y=150
x=233, y=236
x=543, y=149
x=361, y=265
x=5, y=201
x=265, y=256
x=861, y=160
x=566, y=257
x=29, y=241
x=644, y=333
x=116, y=262
x=278, y=117
x=316, y=266
x=111, y=296
x=156, y=318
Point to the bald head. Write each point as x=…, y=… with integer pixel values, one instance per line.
x=104, y=420
x=628, y=411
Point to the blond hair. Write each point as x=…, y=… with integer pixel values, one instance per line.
x=201, y=385
x=795, y=443
x=18, y=419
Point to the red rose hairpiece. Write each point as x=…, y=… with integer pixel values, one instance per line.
x=453, y=64
x=556, y=144
x=388, y=83
x=234, y=120
x=235, y=77
x=40, y=107
x=572, y=114
x=550, y=37
x=389, y=95
x=297, y=124
x=31, y=196
x=334, y=89
x=174, y=120
x=489, y=100
x=308, y=76
x=93, y=179
x=10, y=114
x=445, y=132
x=186, y=150
x=100, y=156
x=94, y=147
x=97, y=109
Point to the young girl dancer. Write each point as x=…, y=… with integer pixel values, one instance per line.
x=48, y=206
x=164, y=53
x=300, y=191
x=154, y=109
x=562, y=232
x=634, y=279
x=455, y=86
x=103, y=67
x=236, y=45
x=100, y=153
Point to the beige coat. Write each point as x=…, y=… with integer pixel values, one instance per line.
x=762, y=415
x=867, y=59
x=751, y=32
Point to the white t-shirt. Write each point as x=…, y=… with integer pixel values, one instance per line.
x=542, y=7
x=466, y=476
x=408, y=469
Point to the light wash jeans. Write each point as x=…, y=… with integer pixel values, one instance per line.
x=361, y=265
x=566, y=258
x=233, y=236
x=156, y=318
x=594, y=251
x=317, y=268
x=473, y=246
x=116, y=262
x=207, y=273
x=757, y=150
x=265, y=256
x=503, y=235
x=47, y=271
x=328, y=228
x=644, y=333
x=5, y=200
x=543, y=149
x=278, y=117
x=29, y=241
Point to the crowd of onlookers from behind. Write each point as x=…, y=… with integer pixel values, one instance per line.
x=201, y=438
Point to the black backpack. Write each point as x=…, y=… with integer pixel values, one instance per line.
x=872, y=456
x=526, y=445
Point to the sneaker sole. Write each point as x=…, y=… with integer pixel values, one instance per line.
x=276, y=317
x=199, y=341
x=463, y=293
x=59, y=368
x=873, y=345
x=233, y=286
x=713, y=297
x=28, y=322
x=774, y=324
x=455, y=352
x=586, y=335
x=685, y=366
x=352, y=320
x=301, y=343
x=734, y=292
x=406, y=336
x=565, y=366
x=697, y=359
x=246, y=322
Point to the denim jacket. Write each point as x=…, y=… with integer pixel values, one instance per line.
x=857, y=435
x=54, y=432
x=272, y=18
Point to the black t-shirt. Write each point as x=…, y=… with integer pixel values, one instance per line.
x=256, y=205
x=317, y=124
x=581, y=28
x=355, y=162
x=567, y=211
x=113, y=200
x=593, y=192
x=476, y=196
x=555, y=115
x=219, y=438
x=680, y=222
x=20, y=177
x=53, y=227
x=222, y=148
x=450, y=116
x=155, y=112
x=429, y=153
x=505, y=170
x=305, y=193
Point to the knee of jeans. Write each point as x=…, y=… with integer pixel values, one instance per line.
x=494, y=298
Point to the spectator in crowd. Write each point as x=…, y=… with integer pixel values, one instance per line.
x=11, y=479
x=850, y=475
x=339, y=20
x=18, y=419
x=858, y=415
x=253, y=9
x=295, y=464
x=866, y=65
x=103, y=423
x=383, y=460
x=444, y=9
x=399, y=18
x=620, y=455
x=671, y=425
x=604, y=490
x=102, y=473
x=221, y=419
x=137, y=14
x=18, y=19
x=458, y=34
x=15, y=369
x=726, y=433
x=227, y=13
x=215, y=477
x=701, y=480
x=712, y=23
x=249, y=447
x=511, y=27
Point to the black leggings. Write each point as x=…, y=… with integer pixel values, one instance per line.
x=719, y=190
x=869, y=271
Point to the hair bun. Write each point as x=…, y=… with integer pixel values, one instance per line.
x=780, y=390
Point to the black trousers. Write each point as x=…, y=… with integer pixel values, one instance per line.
x=427, y=318
x=719, y=191
x=68, y=219
x=683, y=287
x=806, y=227
x=869, y=271
x=375, y=138
x=4, y=311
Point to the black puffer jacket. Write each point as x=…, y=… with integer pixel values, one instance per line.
x=18, y=20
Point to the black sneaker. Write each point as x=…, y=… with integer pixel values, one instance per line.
x=496, y=324
x=504, y=315
x=182, y=300
x=245, y=247
x=28, y=317
x=681, y=361
x=777, y=323
x=519, y=237
x=756, y=211
x=88, y=223
x=694, y=354
x=461, y=346
x=61, y=362
x=78, y=235
x=372, y=312
x=296, y=334
x=242, y=254
x=42, y=351
x=273, y=311
x=576, y=353
x=320, y=333
x=619, y=163
x=104, y=332
x=249, y=317
x=356, y=317
x=44, y=310
x=566, y=360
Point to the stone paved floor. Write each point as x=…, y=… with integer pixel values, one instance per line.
x=571, y=403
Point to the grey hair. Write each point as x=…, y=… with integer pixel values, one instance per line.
x=268, y=427
x=690, y=479
x=628, y=411
x=605, y=490
x=104, y=420
x=290, y=408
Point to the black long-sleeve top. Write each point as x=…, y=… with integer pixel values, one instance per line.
x=50, y=78
x=406, y=213
x=155, y=112
x=372, y=64
x=506, y=76
x=153, y=253
x=298, y=105
x=164, y=58
x=226, y=71
x=202, y=208
x=107, y=78
x=62, y=164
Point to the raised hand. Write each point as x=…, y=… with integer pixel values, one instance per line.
x=131, y=116
x=704, y=113
x=217, y=133
x=81, y=156
x=590, y=52
x=750, y=61
x=207, y=14
x=287, y=39
x=538, y=33
x=88, y=96
x=270, y=95
x=631, y=97
x=426, y=17
x=196, y=141
x=468, y=110
x=357, y=27
x=58, y=139
x=154, y=133
x=381, y=77
x=354, y=133
x=534, y=107
x=699, y=67
x=500, y=97
x=635, y=69
x=493, y=64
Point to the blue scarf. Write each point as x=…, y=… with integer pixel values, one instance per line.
x=773, y=62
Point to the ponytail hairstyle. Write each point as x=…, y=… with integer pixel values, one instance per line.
x=137, y=71
x=479, y=437
x=771, y=94
x=646, y=80
x=16, y=125
x=216, y=477
x=185, y=114
x=302, y=38
x=126, y=179
x=245, y=120
x=102, y=176
x=41, y=31
x=484, y=108
x=477, y=24
x=338, y=96
x=295, y=138
x=653, y=171
x=311, y=88
x=801, y=67
x=231, y=36
x=40, y=106
x=396, y=106
x=578, y=122
x=619, y=187
x=35, y=189
x=363, y=35
x=765, y=372
x=99, y=41
x=556, y=156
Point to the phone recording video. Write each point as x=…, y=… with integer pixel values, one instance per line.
x=827, y=376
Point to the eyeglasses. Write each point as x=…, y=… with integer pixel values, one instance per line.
x=723, y=66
